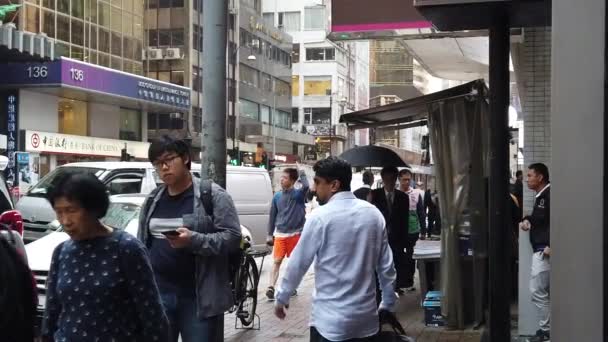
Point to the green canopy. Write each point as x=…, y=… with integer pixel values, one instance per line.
x=6, y=9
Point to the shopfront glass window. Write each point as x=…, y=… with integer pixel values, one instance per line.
x=130, y=124
x=73, y=117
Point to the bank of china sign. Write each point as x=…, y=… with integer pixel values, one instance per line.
x=44, y=142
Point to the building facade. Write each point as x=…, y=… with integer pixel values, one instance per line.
x=258, y=76
x=106, y=33
x=328, y=79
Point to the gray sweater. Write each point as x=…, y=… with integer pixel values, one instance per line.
x=288, y=210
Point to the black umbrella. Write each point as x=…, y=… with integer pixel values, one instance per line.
x=372, y=156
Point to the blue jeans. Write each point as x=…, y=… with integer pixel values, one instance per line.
x=181, y=311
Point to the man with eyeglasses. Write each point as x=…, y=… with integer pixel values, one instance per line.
x=189, y=249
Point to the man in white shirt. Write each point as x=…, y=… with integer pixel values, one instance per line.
x=347, y=238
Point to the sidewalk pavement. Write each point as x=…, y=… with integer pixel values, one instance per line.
x=295, y=326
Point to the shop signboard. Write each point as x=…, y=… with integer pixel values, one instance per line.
x=93, y=78
x=55, y=143
x=12, y=107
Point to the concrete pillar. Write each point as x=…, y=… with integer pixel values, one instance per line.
x=578, y=200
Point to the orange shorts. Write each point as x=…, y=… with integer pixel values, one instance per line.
x=283, y=246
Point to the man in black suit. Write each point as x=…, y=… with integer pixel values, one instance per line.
x=394, y=206
x=363, y=192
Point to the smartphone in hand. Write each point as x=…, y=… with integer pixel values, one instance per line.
x=171, y=233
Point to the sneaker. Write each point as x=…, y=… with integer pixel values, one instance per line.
x=541, y=336
x=294, y=293
x=270, y=293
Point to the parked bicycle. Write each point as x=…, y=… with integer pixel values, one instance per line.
x=245, y=283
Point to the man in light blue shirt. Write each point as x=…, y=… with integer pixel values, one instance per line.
x=347, y=240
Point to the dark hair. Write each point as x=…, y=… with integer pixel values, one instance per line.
x=405, y=172
x=334, y=168
x=368, y=178
x=541, y=169
x=17, y=295
x=292, y=173
x=168, y=144
x=389, y=170
x=84, y=188
x=519, y=173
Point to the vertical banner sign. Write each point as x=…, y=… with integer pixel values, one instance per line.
x=12, y=103
x=23, y=172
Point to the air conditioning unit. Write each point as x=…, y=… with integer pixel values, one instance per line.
x=154, y=54
x=173, y=53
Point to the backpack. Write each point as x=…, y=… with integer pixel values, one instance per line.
x=234, y=258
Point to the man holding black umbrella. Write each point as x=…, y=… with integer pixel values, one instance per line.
x=394, y=205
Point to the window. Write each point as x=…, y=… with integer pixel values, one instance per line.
x=265, y=114
x=295, y=115
x=130, y=125
x=177, y=37
x=50, y=4
x=171, y=3
x=197, y=79
x=281, y=88
x=314, y=18
x=177, y=77
x=197, y=119
x=317, y=116
x=104, y=40
x=63, y=6
x=295, y=85
x=73, y=117
x=77, y=32
x=48, y=23
x=152, y=121
x=116, y=44
x=249, y=75
x=120, y=215
x=197, y=37
x=266, y=82
x=231, y=90
x=32, y=19
x=295, y=53
x=269, y=19
x=78, y=9
x=250, y=109
x=63, y=28
x=232, y=50
x=317, y=85
x=116, y=19
x=77, y=53
x=127, y=24
x=282, y=119
x=104, y=14
x=320, y=54
x=164, y=37
x=289, y=21
x=125, y=184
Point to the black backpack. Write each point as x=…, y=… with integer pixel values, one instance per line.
x=234, y=258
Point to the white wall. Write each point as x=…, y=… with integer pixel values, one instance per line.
x=104, y=120
x=38, y=111
x=577, y=124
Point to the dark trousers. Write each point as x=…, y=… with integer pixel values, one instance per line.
x=316, y=337
x=409, y=262
x=399, y=259
x=434, y=226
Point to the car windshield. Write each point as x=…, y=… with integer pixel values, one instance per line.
x=120, y=215
x=51, y=179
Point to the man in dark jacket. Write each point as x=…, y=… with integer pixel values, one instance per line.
x=189, y=250
x=538, y=223
x=363, y=192
x=394, y=206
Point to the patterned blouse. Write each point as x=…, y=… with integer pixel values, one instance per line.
x=103, y=289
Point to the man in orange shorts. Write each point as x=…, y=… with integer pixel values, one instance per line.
x=287, y=217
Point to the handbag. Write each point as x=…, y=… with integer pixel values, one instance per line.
x=396, y=334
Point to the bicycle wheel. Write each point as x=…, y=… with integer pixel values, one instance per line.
x=248, y=285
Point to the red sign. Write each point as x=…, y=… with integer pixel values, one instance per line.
x=35, y=140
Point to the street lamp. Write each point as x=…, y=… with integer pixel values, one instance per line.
x=251, y=57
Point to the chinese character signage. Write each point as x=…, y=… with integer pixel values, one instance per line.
x=12, y=106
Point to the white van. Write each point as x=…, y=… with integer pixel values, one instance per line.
x=249, y=187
